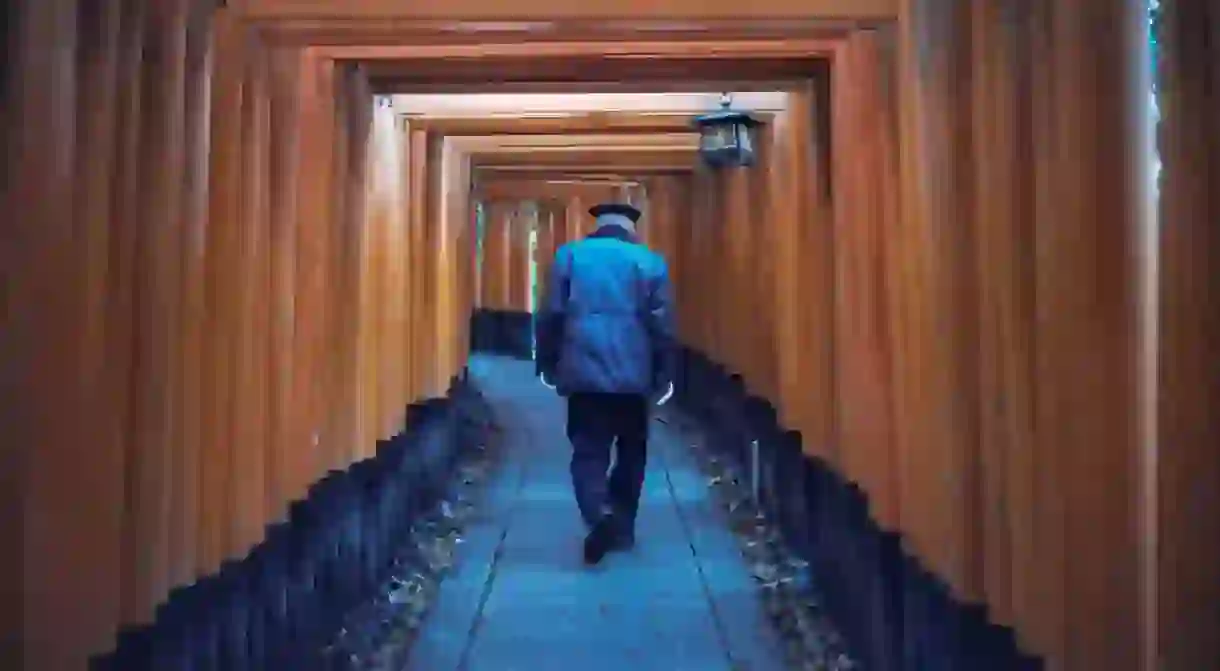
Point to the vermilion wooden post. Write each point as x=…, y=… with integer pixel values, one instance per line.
x=938, y=370
x=417, y=195
x=121, y=303
x=384, y=293
x=312, y=273
x=737, y=222
x=864, y=170
x=1188, y=427
x=683, y=227
x=289, y=424
x=217, y=533
x=550, y=221
x=762, y=338
x=250, y=269
x=339, y=358
x=519, y=224
x=497, y=246
x=100, y=481
x=455, y=190
x=151, y=464
x=1089, y=212
x=702, y=239
x=194, y=208
x=434, y=241
x=809, y=107
x=1003, y=186
x=43, y=485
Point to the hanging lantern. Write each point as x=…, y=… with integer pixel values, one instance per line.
x=727, y=136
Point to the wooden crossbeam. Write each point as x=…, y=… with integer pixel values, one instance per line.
x=524, y=11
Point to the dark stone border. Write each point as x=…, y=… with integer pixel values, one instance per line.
x=380, y=634
x=810, y=639
x=280, y=605
x=893, y=612
x=503, y=332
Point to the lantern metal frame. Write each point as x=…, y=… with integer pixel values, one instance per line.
x=726, y=136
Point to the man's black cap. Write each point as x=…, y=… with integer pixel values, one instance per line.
x=622, y=209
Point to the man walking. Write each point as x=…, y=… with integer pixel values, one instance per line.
x=604, y=339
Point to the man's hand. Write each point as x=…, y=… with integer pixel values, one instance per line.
x=665, y=397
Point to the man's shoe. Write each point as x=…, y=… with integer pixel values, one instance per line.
x=601, y=540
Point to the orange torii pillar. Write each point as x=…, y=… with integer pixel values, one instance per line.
x=519, y=257
x=502, y=322
x=220, y=284
x=576, y=220
x=550, y=221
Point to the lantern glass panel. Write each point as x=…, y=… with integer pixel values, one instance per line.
x=745, y=142
x=717, y=138
x=745, y=138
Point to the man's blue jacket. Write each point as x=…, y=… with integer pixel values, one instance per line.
x=605, y=323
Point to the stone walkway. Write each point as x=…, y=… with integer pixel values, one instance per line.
x=520, y=599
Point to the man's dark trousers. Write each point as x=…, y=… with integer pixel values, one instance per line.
x=595, y=423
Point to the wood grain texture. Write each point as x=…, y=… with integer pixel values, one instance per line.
x=288, y=431
x=1017, y=375
x=548, y=10
x=99, y=55
x=232, y=272
x=864, y=206
x=1188, y=477
x=497, y=251
x=216, y=536
x=1003, y=193
x=194, y=204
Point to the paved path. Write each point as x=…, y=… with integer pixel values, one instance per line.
x=520, y=598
